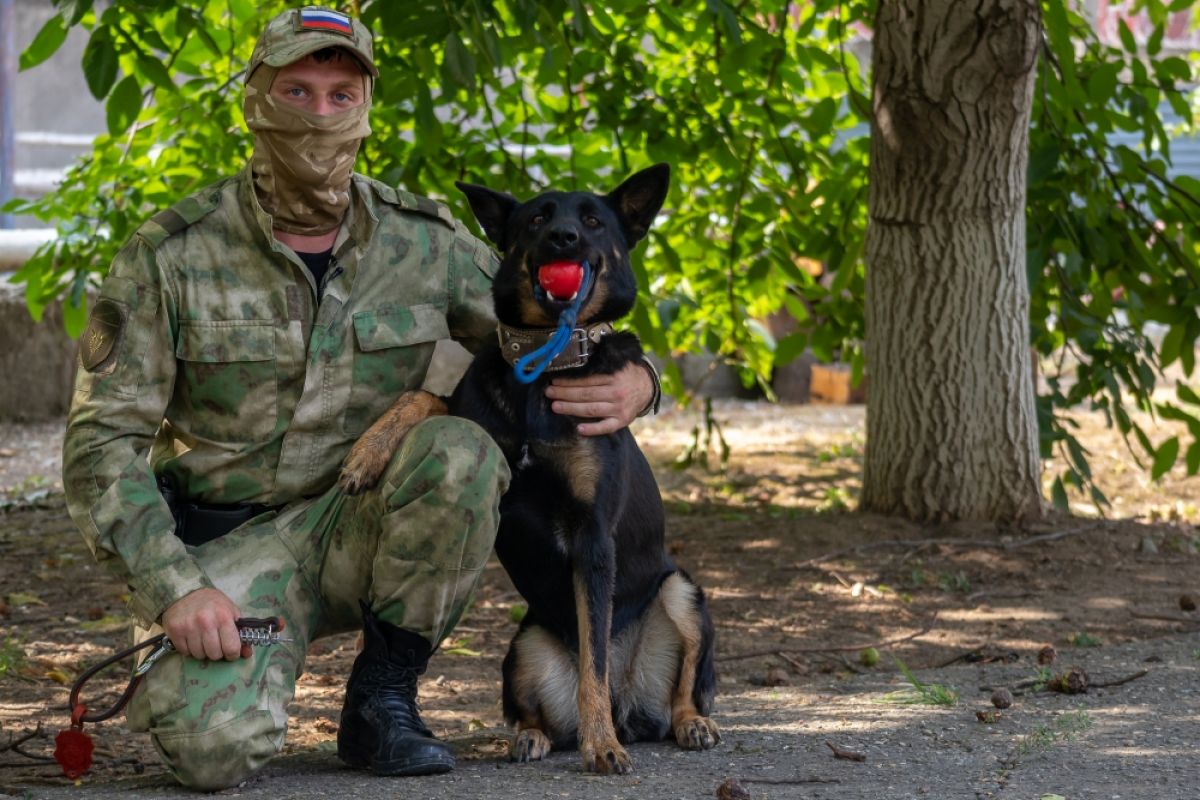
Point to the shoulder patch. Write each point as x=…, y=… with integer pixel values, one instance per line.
x=100, y=337
x=171, y=221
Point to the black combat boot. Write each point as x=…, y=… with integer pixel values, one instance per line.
x=381, y=726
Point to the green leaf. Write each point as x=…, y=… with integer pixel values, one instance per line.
x=73, y=10
x=100, y=64
x=1171, y=344
x=1102, y=82
x=1164, y=458
x=1154, y=42
x=1058, y=495
x=1186, y=394
x=1193, y=458
x=45, y=44
x=458, y=64
x=1127, y=40
x=155, y=72
x=123, y=106
x=75, y=317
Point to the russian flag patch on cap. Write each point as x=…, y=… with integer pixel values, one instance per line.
x=322, y=19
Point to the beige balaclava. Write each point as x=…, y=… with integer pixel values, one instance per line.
x=302, y=161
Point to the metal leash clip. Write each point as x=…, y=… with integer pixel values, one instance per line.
x=252, y=631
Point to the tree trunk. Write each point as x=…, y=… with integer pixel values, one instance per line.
x=951, y=422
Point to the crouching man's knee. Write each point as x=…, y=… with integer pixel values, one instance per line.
x=451, y=457
x=221, y=756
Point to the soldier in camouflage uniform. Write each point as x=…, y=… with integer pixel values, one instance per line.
x=223, y=361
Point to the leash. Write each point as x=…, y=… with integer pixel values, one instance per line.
x=73, y=747
x=530, y=367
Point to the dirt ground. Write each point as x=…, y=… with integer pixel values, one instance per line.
x=798, y=586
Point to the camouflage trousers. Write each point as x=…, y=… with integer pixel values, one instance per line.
x=413, y=547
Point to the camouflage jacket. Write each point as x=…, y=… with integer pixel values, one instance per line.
x=208, y=359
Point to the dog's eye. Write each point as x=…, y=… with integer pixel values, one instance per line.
x=538, y=219
x=591, y=220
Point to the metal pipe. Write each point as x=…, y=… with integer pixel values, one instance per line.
x=8, y=87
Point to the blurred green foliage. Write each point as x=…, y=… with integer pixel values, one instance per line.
x=760, y=109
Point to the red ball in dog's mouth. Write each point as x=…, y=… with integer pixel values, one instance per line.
x=561, y=279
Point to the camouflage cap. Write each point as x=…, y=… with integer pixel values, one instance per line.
x=298, y=32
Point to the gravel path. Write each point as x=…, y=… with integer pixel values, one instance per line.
x=1131, y=742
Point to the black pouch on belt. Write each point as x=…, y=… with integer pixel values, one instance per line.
x=198, y=523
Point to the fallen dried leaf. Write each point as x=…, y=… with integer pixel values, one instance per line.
x=58, y=676
x=1187, y=602
x=988, y=717
x=732, y=790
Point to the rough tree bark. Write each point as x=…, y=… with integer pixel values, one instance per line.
x=951, y=422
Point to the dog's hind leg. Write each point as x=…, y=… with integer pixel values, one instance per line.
x=539, y=691
x=683, y=602
x=369, y=456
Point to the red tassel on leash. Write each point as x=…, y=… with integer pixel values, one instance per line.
x=73, y=748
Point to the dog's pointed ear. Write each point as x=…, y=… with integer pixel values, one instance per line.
x=491, y=208
x=638, y=200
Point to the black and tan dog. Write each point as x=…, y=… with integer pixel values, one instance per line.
x=617, y=645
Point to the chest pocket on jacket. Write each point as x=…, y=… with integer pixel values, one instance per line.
x=226, y=387
x=394, y=348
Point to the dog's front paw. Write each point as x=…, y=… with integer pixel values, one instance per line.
x=531, y=745
x=697, y=733
x=607, y=758
x=362, y=468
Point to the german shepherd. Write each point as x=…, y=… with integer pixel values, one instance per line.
x=617, y=644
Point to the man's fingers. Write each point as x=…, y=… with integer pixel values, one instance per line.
x=195, y=644
x=181, y=645
x=212, y=644
x=231, y=642
x=584, y=409
x=587, y=380
x=600, y=428
x=578, y=394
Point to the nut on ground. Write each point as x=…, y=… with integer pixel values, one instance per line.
x=1073, y=681
x=732, y=790
x=1002, y=698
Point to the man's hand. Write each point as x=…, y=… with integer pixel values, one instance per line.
x=613, y=400
x=201, y=625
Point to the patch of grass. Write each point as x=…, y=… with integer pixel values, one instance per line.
x=1063, y=729
x=928, y=694
x=837, y=501
x=1043, y=677
x=841, y=450
x=956, y=582
x=12, y=657
x=1083, y=639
